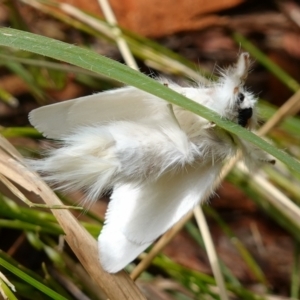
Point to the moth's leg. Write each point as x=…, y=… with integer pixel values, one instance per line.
x=254, y=156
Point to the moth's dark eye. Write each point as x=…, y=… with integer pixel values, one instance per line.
x=240, y=97
x=244, y=116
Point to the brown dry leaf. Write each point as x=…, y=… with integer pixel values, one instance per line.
x=116, y=286
x=157, y=18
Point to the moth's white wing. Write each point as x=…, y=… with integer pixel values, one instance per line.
x=116, y=251
x=138, y=214
x=128, y=103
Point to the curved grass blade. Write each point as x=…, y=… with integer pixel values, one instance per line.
x=112, y=69
x=38, y=285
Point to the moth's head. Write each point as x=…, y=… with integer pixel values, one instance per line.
x=233, y=100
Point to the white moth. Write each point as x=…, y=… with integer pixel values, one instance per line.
x=158, y=159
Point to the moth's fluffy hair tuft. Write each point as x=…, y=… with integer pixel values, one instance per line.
x=77, y=164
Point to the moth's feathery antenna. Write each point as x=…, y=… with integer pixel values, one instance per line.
x=236, y=74
x=242, y=66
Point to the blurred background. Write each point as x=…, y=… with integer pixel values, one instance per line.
x=256, y=239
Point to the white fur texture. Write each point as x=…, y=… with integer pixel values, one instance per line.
x=160, y=160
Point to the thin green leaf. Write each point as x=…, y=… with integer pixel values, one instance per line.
x=7, y=291
x=38, y=285
x=198, y=282
x=93, y=62
x=20, y=132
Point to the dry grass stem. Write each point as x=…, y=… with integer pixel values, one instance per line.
x=116, y=286
x=106, y=30
x=290, y=108
x=121, y=43
x=211, y=251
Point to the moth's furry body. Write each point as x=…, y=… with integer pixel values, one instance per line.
x=160, y=160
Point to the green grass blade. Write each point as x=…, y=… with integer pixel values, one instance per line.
x=93, y=62
x=20, y=132
x=38, y=285
x=198, y=282
x=7, y=291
